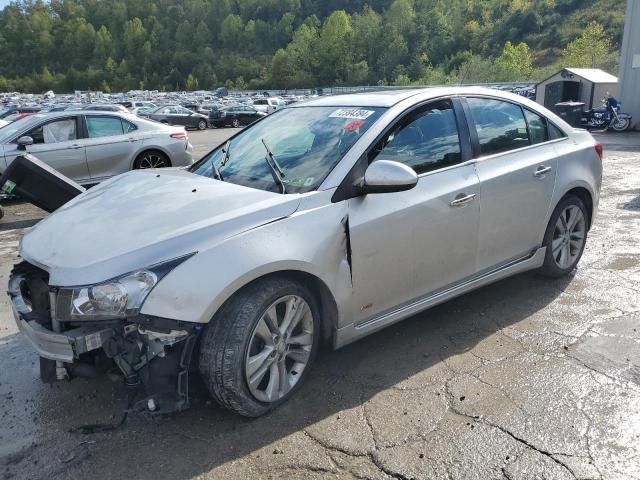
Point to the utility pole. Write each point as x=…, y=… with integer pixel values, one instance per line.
x=629, y=77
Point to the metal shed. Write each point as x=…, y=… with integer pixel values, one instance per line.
x=586, y=85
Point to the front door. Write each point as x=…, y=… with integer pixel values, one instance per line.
x=405, y=245
x=58, y=144
x=517, y=169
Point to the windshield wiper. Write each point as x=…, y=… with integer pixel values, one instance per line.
x=226, y=156
x=225, y=159
x=276, y=171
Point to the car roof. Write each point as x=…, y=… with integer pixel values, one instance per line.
x=389, y=98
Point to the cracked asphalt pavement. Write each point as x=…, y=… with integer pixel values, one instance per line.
x=528, y=378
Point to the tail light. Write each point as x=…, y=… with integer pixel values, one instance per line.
x=599, y=150
x=223, y=114
x=179, y=136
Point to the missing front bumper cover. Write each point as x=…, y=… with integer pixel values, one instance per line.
x=152, y=353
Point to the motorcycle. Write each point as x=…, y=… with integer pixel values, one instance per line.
x=607, y=116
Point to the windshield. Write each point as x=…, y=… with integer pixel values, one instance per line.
x=306, y=142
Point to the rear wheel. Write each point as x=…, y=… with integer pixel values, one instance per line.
x=151, y=159
x=236, y=123
x=259, y=347
x=566, y=237
x=202, y=125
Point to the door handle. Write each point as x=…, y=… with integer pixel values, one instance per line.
x=462, y=199
x=131, y=139
x=75, y=146
x=541, y=171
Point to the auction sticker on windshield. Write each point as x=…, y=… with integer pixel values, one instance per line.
x=354, y=113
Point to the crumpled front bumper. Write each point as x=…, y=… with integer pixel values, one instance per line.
x=66, y=346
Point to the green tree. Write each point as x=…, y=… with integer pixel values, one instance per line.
x=515, y=63
x=592, y=49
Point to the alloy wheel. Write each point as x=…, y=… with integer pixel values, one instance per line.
x=152, y=160
x=568, y=237
x=279, y=349
x=236, y=123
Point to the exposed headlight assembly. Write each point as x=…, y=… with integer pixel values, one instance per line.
x=120, y=297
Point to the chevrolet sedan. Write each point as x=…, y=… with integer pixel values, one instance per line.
x=323, y=223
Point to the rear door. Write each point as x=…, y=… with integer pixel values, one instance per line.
x=406, y=245
x=516, y=165
x=110, y=145
x=59, y=144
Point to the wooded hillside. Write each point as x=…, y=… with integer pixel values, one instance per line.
x=116, y=45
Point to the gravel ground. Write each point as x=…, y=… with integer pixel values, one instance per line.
x=526, y=378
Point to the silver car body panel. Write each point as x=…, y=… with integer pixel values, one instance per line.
x=381, y=257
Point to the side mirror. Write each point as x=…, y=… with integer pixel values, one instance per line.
x=384, y=176
x=24, y=142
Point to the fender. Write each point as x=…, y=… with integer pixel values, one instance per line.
x=196, y=289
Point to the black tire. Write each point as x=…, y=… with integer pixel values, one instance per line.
x=236, y=123
x=150, y=157
x=622, y=125
x=202, y=125
x=550, y=268
x=226, y=339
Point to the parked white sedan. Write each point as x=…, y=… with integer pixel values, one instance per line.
x=89, y=147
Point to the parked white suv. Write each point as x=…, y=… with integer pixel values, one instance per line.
x=268, y=105
x=324, y=222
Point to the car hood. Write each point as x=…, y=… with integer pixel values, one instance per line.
x=142, y=218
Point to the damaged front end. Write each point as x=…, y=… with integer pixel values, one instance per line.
x=152, y=353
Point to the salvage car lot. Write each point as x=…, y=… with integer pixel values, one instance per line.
x=519, y=378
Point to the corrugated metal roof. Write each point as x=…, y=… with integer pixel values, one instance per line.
x=594, y=75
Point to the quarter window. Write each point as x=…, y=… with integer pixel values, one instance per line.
x=555, y=132
x=426, y=140
x=500, y=125
x=537, y=127
x=104, y=126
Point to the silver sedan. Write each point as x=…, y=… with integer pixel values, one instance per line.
x=323, y=222
x=89, y=147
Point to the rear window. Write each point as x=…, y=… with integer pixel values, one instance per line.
x=108, y=126
x=500, y=125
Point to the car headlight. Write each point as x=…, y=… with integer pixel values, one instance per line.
x=121, y=297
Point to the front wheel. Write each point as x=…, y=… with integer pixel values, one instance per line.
x=621, y=124
x=236, y=123
x=259, y=347
x=565, y=237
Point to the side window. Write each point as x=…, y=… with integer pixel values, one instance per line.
x=166, y=111
x=104, y=126
x=426, y=140
x=54, y=132
x=537, y=127
x=500, y=125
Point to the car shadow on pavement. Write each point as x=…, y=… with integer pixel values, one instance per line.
x=423, y=351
